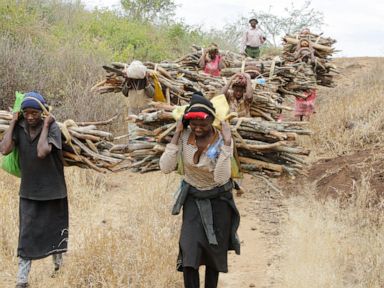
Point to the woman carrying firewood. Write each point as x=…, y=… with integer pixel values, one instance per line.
x=136, y=87
x=305, y=52
x=43, y=207
x=210, y=216
x=211, y=61
x=239, y=94
x=305, y=107
x=138, y=91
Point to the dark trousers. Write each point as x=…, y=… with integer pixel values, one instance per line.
x=192, y=279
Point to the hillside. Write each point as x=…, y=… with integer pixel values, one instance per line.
x=320, y=230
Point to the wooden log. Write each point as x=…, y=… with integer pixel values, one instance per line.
x=261, y=147
x=4, y=127
x=324, y=48
x=104, y=122
x=94, y=155
x=92, y=131
x=166, y=132
x=113, y=155
x=91, y=146
x=262, y=164
x=84, y=136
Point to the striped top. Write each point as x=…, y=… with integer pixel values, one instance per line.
x=207, y=173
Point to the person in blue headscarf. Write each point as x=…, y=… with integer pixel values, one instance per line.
x=43, y=207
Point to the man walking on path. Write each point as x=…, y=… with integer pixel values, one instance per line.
x=43, y=208
x=252, y=40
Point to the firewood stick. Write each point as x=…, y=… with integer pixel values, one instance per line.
x=262, y=164
x=105, y=122
x=84, y=136
x=166, y=132
x=93, y=154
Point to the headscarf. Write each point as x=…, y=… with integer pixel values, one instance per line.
x=30, y=103
x=240, y=81
x=199, y=108
x=136, y=70
x=213, y=47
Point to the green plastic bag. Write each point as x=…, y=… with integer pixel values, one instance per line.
x=10, y=163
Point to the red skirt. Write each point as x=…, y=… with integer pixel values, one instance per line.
x=305, y=107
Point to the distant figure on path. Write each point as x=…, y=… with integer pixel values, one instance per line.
x=43, y=208
x=252, y=40
x=305, y=107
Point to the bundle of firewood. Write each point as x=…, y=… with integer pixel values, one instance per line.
x=83, y=144
x=179, y=83
x=282, y=76
x=263, y=146
x=191, y=60
x=323, y=50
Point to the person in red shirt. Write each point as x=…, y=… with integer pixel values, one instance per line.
x=211, y=61
x=305, y=107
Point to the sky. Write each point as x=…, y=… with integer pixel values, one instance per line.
x=358, y=26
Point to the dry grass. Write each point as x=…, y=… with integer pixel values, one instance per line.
x=129, y=241
x=63, y=76
x=326, y=246
x=122, y=234
x=333, y=243
x=350, y=116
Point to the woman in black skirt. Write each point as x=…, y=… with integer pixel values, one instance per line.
x=43, y=208
x=210, y=217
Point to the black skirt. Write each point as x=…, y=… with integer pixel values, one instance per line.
x=195, y=249
x=43, y=228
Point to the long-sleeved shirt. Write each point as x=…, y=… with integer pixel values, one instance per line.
x=253, y=38
x=207, y=173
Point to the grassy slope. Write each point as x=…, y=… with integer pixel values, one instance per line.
x=121, y=228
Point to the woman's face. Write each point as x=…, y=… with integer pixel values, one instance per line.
x=201, y=127
x=32, y=116
x=238, y=92
x=213, y=53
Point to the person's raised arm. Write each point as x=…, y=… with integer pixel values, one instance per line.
x=244, y=41
x=202, y=59
x=168, y=160
x=43, y=146
x=225, y=89
x=248, y=96
x=7, y=144
x=221, y=62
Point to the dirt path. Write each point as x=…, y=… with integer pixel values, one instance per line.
x=250, y=269
x=262, y=210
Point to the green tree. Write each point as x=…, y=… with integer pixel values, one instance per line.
x=149, y=10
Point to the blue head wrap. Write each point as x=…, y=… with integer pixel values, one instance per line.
x=30, y=103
